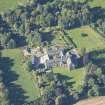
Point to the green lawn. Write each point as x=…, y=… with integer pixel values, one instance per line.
x=74, y=77
x=97, y=3
x=24, y=80
x=92, y=41
x=9, y=4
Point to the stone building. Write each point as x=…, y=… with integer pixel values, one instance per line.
x=53, y=57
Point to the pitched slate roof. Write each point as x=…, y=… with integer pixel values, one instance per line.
x=54, y=51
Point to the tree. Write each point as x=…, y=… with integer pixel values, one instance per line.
x=94, y=91
x=11, y=44
x=4, y=37
x=28, y=66
x=98, y=72
x=34, y=39
x=3, y=95
x=91, y=82
x=75, y=96
x=41, y=20
x=58, y=100
x=0, y=54
x=1, y=75
x=90, y=93
x=50, y=19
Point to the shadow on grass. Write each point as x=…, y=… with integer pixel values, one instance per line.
x=16, y=93
x=68, y=79
x=63, y=77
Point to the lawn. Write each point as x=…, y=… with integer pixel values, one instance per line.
x=9, y=4
x=91, y=39
x=24, y=79
x=97, y=3
x=73, y=77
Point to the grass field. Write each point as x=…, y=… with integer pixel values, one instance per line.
x=91, y=41
x=73, y=77
x=97, y=3
x=24, y=77
x=9, y=4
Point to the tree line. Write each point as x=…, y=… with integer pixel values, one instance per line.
x=22, y=25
